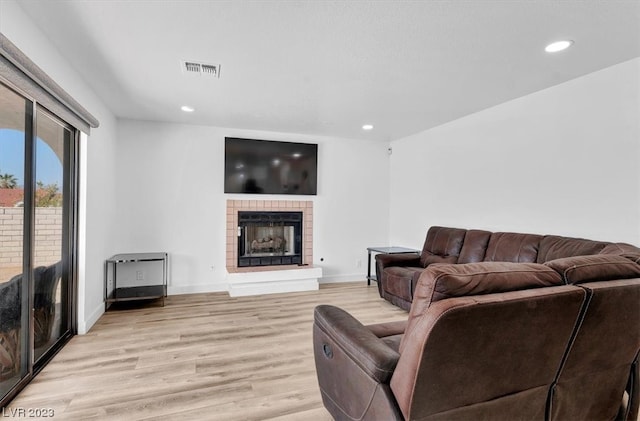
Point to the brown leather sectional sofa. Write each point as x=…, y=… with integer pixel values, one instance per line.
x=398, y=274
x=493, y=340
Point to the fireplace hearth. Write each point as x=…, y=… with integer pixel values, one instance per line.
x=269, y=238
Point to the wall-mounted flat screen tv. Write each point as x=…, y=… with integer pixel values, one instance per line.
x=270, y=167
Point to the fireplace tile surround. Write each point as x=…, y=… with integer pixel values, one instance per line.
x=235, y=206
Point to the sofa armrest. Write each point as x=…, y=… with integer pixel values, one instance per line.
x=387, y=260
x=353, y=366
x=358, y=343
x=404, y=259
x=383, y=330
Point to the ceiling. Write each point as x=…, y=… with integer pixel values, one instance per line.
x=328, y=67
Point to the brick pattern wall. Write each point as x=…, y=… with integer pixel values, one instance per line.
x=48, y=237
x=234, y=206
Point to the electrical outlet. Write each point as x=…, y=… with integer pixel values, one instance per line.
x=139, y=275
x=358, y=263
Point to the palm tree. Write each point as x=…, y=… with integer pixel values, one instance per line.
x=8, y=181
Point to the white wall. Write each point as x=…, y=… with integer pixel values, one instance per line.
x=170, y=195
x=564, y=161
x=100, y=153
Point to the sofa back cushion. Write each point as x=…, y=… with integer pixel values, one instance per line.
x=442, y=245
x=474, y=246
x=441, y=281
x=623, y=249
x=555, y=247
x=634, y=258
x=601, y=354
x=512, y=247
x=595, y=268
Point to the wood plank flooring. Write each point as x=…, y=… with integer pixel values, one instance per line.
x=201, y=357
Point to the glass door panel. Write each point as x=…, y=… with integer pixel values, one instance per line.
x=50, y=301
x=14, y=327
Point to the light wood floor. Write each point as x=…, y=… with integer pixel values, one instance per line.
x=201, y=357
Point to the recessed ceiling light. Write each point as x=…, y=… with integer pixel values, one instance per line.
x=554, y=47
x=187, y=109
x=367, y=127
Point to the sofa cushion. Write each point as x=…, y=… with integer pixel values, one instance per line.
x=633, y=257
x=512, y=247
x=599, y=362
x=595, y=268
x=397, y=280
x=447, y=281
x=442, y=281
x=555, y=247
x=474, y=246
x=442, y=245
x=623, y=249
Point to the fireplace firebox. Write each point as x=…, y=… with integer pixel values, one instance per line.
x=269, y=238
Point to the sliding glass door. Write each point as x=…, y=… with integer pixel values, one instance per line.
x=36, y=237
x=14, y=298
x=51, y=227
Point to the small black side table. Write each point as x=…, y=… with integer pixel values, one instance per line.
x=386, y=250
x=133, y=285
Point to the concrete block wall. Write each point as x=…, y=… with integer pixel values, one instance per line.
x=48, y=236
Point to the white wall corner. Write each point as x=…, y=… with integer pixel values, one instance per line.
x=84, y=326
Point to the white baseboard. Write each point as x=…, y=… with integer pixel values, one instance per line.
x=196, y=289
x=355, y=277
x=85, y=325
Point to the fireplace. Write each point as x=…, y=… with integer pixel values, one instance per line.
x=269, y=238
x=234, y=231
x=286, y=232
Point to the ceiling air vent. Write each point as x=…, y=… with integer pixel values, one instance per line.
x=192, y=67
x=200, y=69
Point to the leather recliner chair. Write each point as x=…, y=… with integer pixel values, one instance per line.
x=489, y=340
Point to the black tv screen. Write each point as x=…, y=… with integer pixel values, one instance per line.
x=269, y=167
